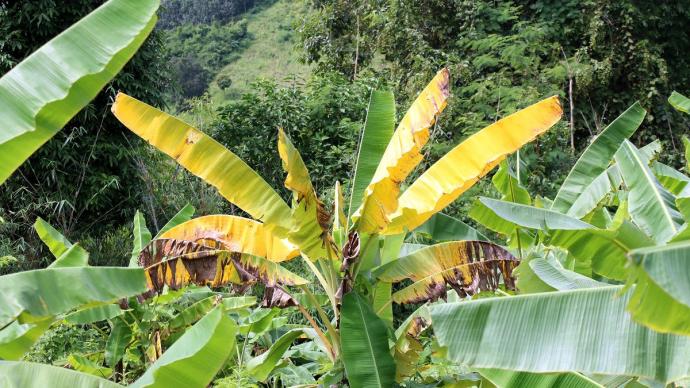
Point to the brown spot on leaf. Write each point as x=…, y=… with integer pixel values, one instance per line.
x=276, y=297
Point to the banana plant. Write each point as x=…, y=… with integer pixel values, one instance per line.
x=354, y=258
x=607, y=253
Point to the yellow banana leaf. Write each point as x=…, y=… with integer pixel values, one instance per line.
x=310, y=220
x=465, y=164
x=402, y=155
x=207, y=159
x=339, y=207
x=466, y=266
x=236, y=234
x=179, y=263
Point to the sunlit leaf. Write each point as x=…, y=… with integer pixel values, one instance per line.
x=661, y=299
x=206, y=158
x=460, y=168
x=378, y=130
x=585, y=330
x=28, y=374
x=596, y=158
x=651, y=206
x=42, y=93
x=402, y=155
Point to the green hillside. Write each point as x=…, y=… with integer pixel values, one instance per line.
x=270, y=53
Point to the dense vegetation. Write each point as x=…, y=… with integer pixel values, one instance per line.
x=336, y=230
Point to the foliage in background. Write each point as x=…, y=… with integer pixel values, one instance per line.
x=505, y=54
x=83, y=180
x=197, y=52
x=324, y=118
x=178, y=12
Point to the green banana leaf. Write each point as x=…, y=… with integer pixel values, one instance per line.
x=510, y=379
x=75, y=256
x=441, y=228
x=585, y=330
x=661, y=299
x=30, y=300
x=15, y=374
x=651, y=206
x=606, y=182
x=48, y=292
x=595, y=159
x=378, y=130
x=94, y=314
x=260, y=367
x=364, y=344
x=672, y=180
x=54, y=240
x=679, y=102
x=551, y=272
x=42, y=93
x=185, y=214
x=120, y=336
x=142, y=236
x=603, y=251
x=195, y=358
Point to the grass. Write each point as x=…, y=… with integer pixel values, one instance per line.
x=271, y=53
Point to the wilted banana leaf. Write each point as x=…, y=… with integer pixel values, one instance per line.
x=310, y=220
x=466, y=266
x=142, y=237
x=178, y=263
x=42, y=93
x=651, y=206
x=378, y=129
x=183, y=215
x=510, y=379
x=195, y=358
x=261, y=366
x=661, y=299
x=595, y=159
x=442, y=228
x=364, y=343
x=680, y=102
x=207, y=159
x=603, y=251
x=460, y=168
x=237, y=234
x=401, y=156
x=14, y=374
x=586, y=331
